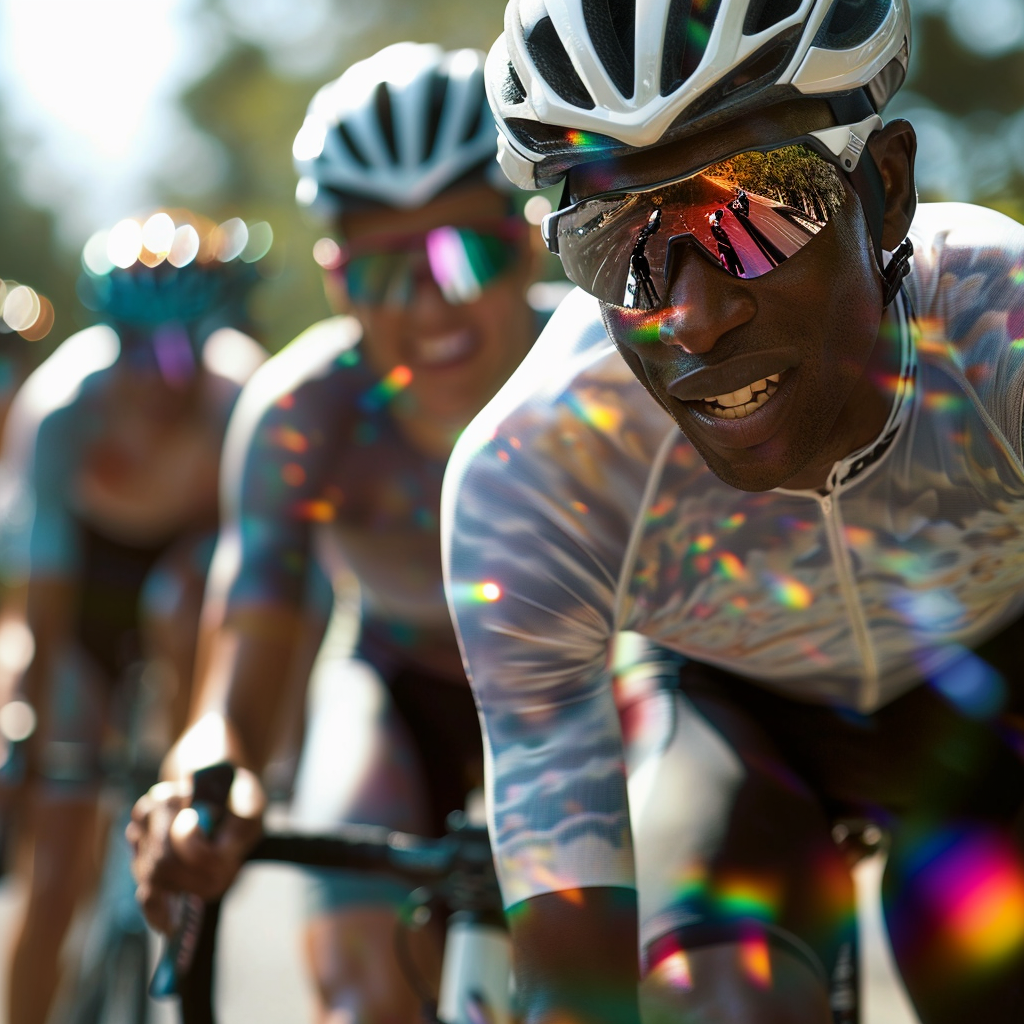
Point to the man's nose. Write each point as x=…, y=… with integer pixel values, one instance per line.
x=426, y=300
x=703, y=302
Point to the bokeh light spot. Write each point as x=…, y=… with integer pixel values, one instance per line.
x=21, y=308
x=124, y=243
x=184, y=247
x=43, y=322
x=261, y=238
x=158, y=235
x=94, y=255
x=327, y=253
x=233, y=236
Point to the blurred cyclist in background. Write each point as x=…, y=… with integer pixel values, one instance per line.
x=109, y=492
x=336, y=452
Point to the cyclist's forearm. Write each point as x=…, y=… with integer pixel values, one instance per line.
x=576, y=957
x=243, y=674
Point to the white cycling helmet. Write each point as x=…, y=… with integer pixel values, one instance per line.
x=396, y=129
x=577, y=80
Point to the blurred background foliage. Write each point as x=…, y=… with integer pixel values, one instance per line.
x=965, y=95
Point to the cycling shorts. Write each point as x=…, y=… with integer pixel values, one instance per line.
x=402, y=751
x=738, y=816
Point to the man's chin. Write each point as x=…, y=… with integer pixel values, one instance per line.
x=747, y=469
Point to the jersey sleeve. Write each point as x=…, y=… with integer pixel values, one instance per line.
x=538, y=512
x=968, y=294
x=275, y=452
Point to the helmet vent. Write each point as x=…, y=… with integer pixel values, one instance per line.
x=382, y=101
x=764, y=65
x=512, y=91
x=476, y=123
x=762, y=14
x=687, y=31
x=354, y=151
x=438, y=93
x=554, y=65
x=612, y=30
x=850, y=23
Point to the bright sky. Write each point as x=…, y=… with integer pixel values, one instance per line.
x=90, y=84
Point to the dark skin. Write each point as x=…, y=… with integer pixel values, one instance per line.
x=825, y=303
x=577, y=959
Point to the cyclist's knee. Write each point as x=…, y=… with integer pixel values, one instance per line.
x=729, y=983
x=352, y=957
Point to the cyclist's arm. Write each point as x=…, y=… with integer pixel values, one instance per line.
x=254, y=621
x=40, y=539
x=538, y=510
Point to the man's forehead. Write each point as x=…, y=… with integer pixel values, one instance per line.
x=647, y=167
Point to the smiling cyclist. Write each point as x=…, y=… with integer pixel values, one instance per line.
x=108, y=485
x=795, y=464
x=336, y=454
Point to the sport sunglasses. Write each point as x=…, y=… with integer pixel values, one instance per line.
x=748, y=212
x=462, y=261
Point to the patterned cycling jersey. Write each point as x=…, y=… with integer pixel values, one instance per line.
x=575, y=508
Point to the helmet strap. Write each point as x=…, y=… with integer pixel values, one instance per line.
x=897, y=269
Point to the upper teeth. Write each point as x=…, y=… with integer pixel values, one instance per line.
x=443, y=348
x=744, y=394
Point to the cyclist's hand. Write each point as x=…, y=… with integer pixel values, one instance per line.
x=171, y=855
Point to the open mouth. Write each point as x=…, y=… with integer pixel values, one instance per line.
x=739, y=404
x=444, y=350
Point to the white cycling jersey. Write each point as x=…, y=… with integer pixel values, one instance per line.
x=579, y=500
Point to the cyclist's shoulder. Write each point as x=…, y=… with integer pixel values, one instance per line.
x=572, y=427
x=305, y=379
x=76, y=370
x=964, y=256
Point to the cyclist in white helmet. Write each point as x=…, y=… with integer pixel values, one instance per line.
x=805, y=476
x=337, y=453
x=108, y=505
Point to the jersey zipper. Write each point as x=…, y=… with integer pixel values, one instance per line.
x=855, y=611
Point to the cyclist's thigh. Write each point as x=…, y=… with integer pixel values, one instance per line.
x=358, y=764
x=737, y=871
x=954, y=884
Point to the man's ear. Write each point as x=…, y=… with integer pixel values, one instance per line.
x=893, y=150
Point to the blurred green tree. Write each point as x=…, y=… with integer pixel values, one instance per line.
x=29, y=250
x=254, y=99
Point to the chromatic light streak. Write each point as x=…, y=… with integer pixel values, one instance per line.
x=791, y=593
x=977, y=884
x=755, y=961
x=731, y=567
x=486, y=592
x=749, y=898
x=315, y=511
x=290, y=439
x=674, y=972
x=385, y=390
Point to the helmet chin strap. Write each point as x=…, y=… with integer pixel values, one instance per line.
x=896, y=269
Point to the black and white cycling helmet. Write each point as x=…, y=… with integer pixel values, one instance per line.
x=571, y=81
x=396, y=129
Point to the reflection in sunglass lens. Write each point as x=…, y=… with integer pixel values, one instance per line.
x=461, y=261
x=379, y=279
x=748, y=213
